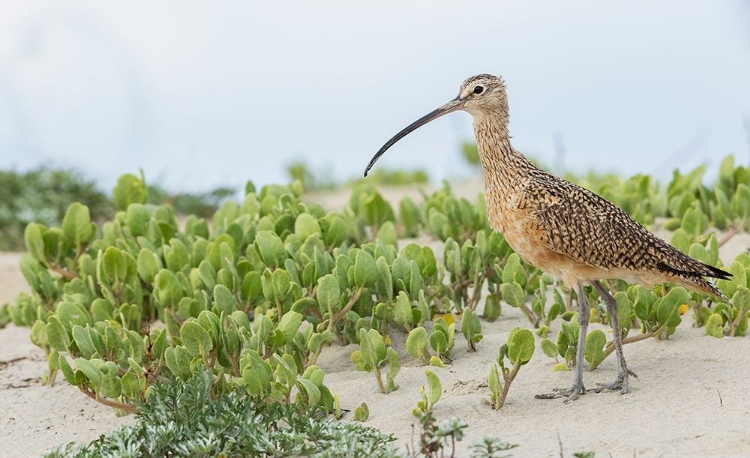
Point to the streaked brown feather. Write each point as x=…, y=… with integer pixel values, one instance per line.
x=569, y=231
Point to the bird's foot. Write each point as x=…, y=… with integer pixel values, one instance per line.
x=572, y=393
x=620, y=383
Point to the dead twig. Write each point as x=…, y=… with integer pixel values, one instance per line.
x=129, y=408
x=10, y=362
x=728, y=236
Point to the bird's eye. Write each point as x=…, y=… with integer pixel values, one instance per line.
x=478, y=89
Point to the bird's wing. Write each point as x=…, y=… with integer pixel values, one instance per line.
x=593, y=231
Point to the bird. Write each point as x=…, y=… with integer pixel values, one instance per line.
x=561, y=228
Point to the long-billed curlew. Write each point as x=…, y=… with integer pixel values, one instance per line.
x=561, y=228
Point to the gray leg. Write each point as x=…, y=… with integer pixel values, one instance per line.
x=621, y=382
x=583, y=326
x=583, y=323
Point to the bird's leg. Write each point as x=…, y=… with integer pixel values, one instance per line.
x=621, y=382
x=583, y=323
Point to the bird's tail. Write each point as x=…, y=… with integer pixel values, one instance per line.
x=695, y=281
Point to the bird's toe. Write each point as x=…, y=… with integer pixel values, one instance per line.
x=571, y=394
x=620, y=383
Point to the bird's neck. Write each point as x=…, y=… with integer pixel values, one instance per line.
x=504, y=168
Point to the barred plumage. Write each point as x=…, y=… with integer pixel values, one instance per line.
x=560, y=227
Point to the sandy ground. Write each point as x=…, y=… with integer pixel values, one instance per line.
x=691, y=397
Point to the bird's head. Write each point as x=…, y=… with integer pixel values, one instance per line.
x=481, y=94
x=478, y=95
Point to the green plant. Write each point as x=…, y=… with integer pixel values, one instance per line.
x=518, y=351
x=441, y=340
x=433, y=438
x=200, y=204
x=471, y=328
x=517, y=285
x=256, y=292
x=470, y=153
x=734, y=314
x=490, y=447
x=437, y=441
x=225, y=303
x=416, y=346
x=41, y=196
x=4, y=315
x=429, y=397
x=194, y=419
x=567, y=338
x=550, y=349
x=395, y=177
x=657, y=317
x=373, y=354
x=361, y=412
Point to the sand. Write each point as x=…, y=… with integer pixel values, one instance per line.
x=691, y=397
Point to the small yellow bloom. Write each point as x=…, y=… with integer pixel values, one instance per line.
x=448, y=317
x=683, y=309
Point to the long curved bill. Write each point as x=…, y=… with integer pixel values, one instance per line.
x=454, y=105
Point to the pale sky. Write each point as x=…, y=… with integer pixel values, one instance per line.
x=205, y=94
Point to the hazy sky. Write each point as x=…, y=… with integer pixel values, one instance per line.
x=202, y=94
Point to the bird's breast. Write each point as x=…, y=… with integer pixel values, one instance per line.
x=508, y=214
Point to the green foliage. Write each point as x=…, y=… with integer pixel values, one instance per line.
x=715, y=326
x=372, y=355
x=385, y=176
x=441, y=339
x=200, y=204
x=471, y=328
x=370, y=206
x=567, y=338
x=311, y=181
x=437, y=441
x=361, y=412
x=470, y=153
x=254, y=294
x=96, y=296
x=735, y=313
x=471, y=263
x=257, y=291
x=4, y=315
x=594, y=348
x=430, y=396
x=434, y=438
x=194, y=419
x=42, y=196
x=409, y=215
x=518, y=351
x=549, y=348
x=129, y=190
x=490, y=448
x=416, y=344
x=659, y=317
x=299, y=171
